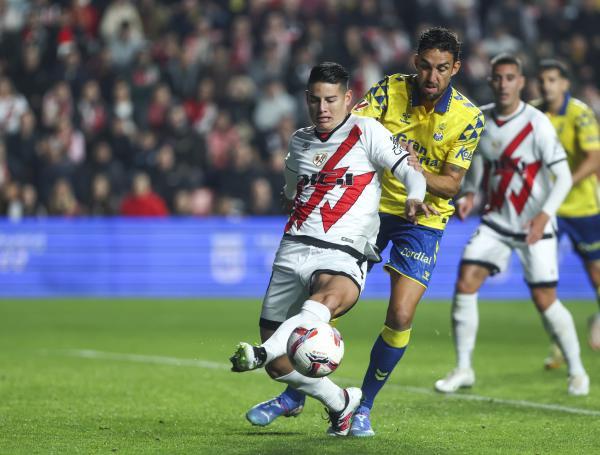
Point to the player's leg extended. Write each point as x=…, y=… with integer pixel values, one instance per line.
x=411, y=263
x=465, y=322
x=592, y=267
x=559, y=324
x=337, y=294
x=389, y=346
x=289, y=403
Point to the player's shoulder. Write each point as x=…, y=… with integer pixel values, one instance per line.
x=578, y=106
x=462, y=108
x=303, y=133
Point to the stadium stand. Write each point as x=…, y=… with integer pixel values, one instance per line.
x=201, y=96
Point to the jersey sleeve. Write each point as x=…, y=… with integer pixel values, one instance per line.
x=385, y=151
x=290, y=171
x=374, y=103
x=588, y=135
x=461, y=152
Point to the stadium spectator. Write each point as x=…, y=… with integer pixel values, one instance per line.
x=142, y=201
x=62, y=200
x=12, y=106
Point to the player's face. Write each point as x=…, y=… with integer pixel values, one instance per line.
x=328, y=104
x=507, y=82
x=435, y=68
x=552, y=85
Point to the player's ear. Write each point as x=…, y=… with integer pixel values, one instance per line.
x=455, y=67
x=415, y=61
x=348, y=98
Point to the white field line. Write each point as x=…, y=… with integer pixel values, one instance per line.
x=178, y=362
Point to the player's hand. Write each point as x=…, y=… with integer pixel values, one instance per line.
x=464, y=206
x=413, y=159
x=535, y=227
x=414, y=207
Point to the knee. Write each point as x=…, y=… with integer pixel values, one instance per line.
x=543, y=297
x=399, y=316
x=466, y=285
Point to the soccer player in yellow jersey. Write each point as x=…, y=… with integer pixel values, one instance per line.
x=443, y=128
x=579, y=214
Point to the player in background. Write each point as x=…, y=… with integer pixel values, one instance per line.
x=443, y=128
x=527, y=178
x=332, y=174
x=579, y=214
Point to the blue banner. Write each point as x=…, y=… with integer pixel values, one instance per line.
x=213, y=257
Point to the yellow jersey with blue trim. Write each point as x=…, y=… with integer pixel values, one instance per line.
x=447, y=134
x=577, y=131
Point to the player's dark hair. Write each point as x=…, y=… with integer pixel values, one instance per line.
x=506, y=59
x=439, y=38
x=331, y=73
x=554, y=64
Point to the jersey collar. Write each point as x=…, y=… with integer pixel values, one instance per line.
x=443, y=104
x=563, y=109
x=324, y=137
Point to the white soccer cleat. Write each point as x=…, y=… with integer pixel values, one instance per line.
x=594, y=332
x=341, y=421
x=579, y=385
x=247, y=357
x=456, y=379
x=555, y=358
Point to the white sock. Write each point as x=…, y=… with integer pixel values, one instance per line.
x=465, y=321
x=311, y=311
x=559, y=324
x=322, y=389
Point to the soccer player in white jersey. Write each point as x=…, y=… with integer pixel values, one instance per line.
x=527, y=178
x=333, y=176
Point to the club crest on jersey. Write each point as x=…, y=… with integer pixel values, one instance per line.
x=438, y=136
x=362, y=104
x=319, y=159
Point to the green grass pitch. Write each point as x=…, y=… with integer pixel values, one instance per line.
x=151, y=376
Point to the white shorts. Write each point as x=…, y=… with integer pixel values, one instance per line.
x=294, y=267
x=492, y=250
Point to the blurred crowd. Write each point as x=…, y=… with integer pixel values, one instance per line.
x=185, y=107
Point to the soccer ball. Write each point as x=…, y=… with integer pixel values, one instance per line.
x=315, y=349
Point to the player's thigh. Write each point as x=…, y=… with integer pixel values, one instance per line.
x=335, y=278
x=486, y=249
x=539, y=262
x=286, y=291
x=414, y=251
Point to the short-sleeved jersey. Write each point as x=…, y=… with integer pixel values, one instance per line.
x=448, y=134
x=518, y=152
x=577, y=130
x=338, y=181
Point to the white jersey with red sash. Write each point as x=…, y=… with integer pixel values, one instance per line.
x=518, y=152
x=337, y=181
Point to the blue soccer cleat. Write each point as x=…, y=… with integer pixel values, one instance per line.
x=361, y=423
x=264, y=413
